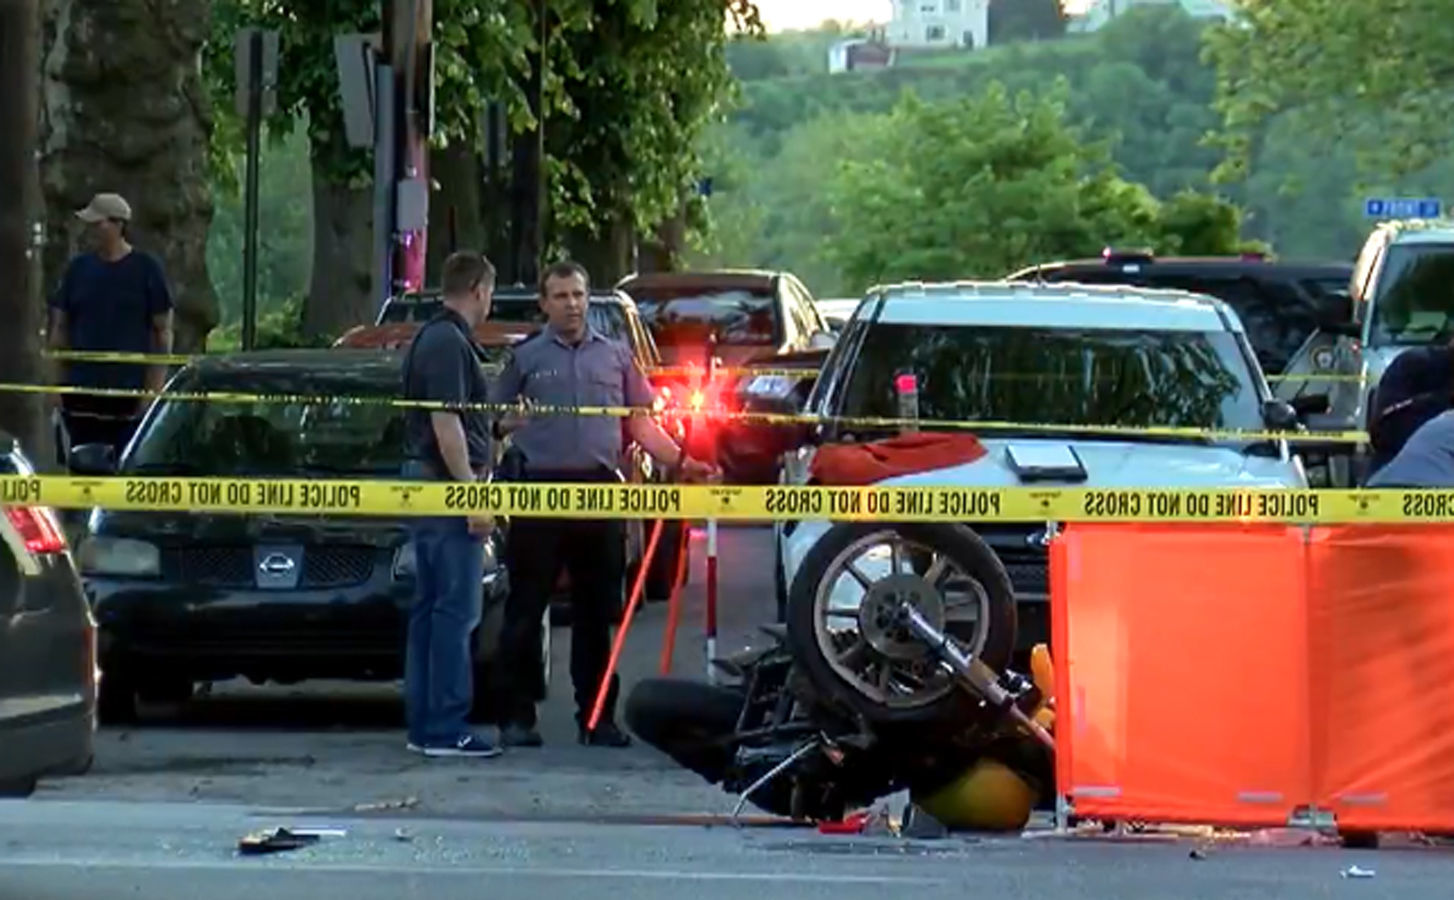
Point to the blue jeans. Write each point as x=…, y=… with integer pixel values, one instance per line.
x=438, y=676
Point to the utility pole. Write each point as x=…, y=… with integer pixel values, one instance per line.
x=408, y=49
x=20, y=307
x=256, y=58
x=529, y=167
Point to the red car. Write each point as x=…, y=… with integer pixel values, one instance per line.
x=739, y=319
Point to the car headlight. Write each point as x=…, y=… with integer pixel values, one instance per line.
x=406, y=563
x=118, y=556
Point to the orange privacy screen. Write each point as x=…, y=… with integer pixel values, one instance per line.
x=1184, y=651
x=1382, y=605
x=1233, y=674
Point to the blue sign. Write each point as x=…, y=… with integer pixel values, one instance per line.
x=1402, y=207
x=704, y=186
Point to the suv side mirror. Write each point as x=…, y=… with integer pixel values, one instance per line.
x=1280, y=415
x=93, y=459
x=1337, y=317
x=1310, y=405
x=1343, y=329
x=822, y=340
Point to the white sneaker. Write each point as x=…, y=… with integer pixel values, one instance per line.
x=467, y=745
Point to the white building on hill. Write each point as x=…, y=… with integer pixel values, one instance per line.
x=1101, y=12
x=931, y=24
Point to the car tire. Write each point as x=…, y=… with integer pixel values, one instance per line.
x=116, y=700
x=952, y=710
x=18, y=788
x=77, y=767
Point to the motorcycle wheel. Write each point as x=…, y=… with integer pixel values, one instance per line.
x=853, y=652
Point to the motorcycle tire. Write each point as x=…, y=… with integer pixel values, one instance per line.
x=951, y=711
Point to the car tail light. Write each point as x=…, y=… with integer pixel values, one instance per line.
x=38, y=528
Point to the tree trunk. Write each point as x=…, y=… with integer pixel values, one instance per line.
x=457, y=203
x=21, y=415
x=124, y=110
x=339, y=294
x=606, y=255
x=665, y=251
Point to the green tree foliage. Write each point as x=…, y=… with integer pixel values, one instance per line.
x=986, y=184
x=640, y=80
x=1139, y=85
x=1374, y=74
x=629, y=84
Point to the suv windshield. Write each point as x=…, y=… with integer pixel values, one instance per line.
x=1415, y=299
x=607, y=318
x=284, y=440
x=687, y=314
x=1057, y=376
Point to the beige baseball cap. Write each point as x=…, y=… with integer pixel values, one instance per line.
x=105, y=206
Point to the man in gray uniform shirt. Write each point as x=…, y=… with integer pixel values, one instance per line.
x=569, y=363
x=1426, y=459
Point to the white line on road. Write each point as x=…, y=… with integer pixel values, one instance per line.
x=413, y=868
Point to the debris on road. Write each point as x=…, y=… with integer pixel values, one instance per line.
x=919, y=824
x=276, y=840
x=1356, y=872
x=403, y=835
x=406, y=803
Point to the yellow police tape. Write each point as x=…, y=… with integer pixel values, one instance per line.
x=176, y=359
x=637, y=501
x=172, y=359
x=868, y=423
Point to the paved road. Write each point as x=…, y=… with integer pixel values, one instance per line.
x=84, y=850
x=334, y=746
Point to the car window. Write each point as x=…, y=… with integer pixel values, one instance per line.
x=1083, y=377
x=1329, y=294
x=1276, y=318
x=607, y=318
x=1414, y=303
x=273, y=439
x=1106, y=275
x=688, y=314
x=410, y=310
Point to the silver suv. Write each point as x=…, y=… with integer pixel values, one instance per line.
x=1401, y=296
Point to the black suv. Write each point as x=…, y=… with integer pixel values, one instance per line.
x=1280, y=303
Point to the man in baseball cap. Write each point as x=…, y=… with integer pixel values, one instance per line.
x=112, y=298
x=105, y=208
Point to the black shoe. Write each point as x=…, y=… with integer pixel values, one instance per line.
x=605, y=735
x=520, y=736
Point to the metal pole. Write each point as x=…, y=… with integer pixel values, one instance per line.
x=250, y=212
x=383, y=180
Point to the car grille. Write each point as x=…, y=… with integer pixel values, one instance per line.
x=234, y=567
x=1028, y=565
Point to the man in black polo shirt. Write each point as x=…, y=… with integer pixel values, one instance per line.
x=442, y=365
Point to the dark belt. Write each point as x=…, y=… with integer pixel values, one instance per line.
x=594, y=475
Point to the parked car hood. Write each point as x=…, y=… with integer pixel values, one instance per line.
x=1108, y=464
x=226, y=528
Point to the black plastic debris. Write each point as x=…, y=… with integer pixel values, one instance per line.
x=920, y=825
x=277, y=840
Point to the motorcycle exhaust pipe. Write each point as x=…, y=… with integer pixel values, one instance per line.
x=973, y=674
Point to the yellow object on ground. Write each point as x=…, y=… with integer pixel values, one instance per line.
x=988, y=797
x=991, y=796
